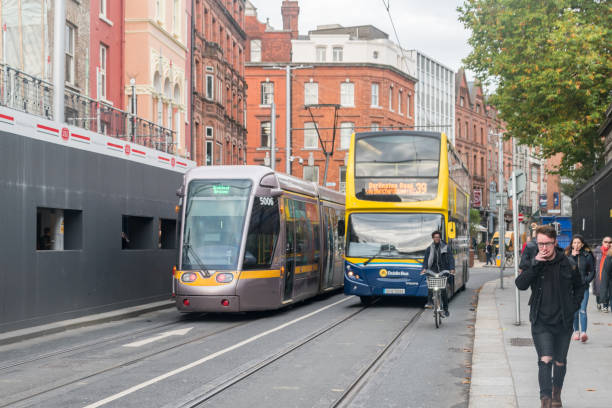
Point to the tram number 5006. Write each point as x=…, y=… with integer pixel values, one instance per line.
x=266, y=201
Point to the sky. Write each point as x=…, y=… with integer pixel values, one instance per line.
x=431, y=27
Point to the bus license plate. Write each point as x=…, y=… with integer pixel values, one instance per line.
x=394, y=291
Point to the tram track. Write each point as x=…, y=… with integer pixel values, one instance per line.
x=120, y=365
x=353, y=389
x=198, y=400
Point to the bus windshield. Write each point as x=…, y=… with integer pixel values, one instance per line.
x=214, y=219
x=400, y=167
x=391, y=235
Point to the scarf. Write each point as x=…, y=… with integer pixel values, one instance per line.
x=602, y=260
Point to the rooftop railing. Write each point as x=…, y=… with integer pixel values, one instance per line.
x=21, y=91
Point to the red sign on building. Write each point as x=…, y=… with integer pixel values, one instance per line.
x=477, y=198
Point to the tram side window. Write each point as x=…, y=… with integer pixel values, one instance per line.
x=136, y=232
x=263, y=233
x=314, y=229
x=58, y=229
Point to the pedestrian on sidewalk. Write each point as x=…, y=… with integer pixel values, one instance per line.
x=581, y=257
x=556, y=294
x=489, y=253
x=600, y=256
x=529, y=253
x=606, y=280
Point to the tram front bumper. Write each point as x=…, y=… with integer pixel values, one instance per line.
x=190, y=304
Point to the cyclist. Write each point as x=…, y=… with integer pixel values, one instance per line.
x=438, y=258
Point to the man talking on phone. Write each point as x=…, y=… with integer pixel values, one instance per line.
x=556, y=294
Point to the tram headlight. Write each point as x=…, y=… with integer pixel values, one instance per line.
x=224, y=277
x=189, y=277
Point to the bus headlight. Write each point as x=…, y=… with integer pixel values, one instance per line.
x=224, y=277
x=189, y=277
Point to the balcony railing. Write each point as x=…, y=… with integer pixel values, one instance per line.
x=32, y=95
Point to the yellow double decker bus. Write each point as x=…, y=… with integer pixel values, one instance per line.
x=400, y=187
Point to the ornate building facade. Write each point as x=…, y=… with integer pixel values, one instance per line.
x=219, y=92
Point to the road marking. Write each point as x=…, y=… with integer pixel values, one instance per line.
x=208, y=358
x=180, y=332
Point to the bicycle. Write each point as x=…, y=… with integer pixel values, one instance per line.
x=436, y=282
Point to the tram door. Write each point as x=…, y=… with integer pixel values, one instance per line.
x=290, y=252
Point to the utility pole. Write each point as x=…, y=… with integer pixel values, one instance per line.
x=59, y=60
x=501, y=195
x=516, y=229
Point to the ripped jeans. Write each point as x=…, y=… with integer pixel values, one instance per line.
x=580, y=317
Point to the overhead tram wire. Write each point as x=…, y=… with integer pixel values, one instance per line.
x=387, y=5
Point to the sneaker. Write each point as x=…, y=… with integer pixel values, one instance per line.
x=605, y=309
x=446, y=314
x=584, y=337
x=576, y=336
x=428, y=306
x=599, y=306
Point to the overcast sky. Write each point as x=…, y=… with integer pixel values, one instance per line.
x=430, y=26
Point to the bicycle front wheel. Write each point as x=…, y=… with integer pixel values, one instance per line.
x=436, y=309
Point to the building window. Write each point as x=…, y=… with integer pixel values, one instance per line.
x=375, y=95
x=347, y=94
x=390, y=98
x=375, y=55
x=346, y=130
x=321, y=51
x=374, y=127
x=461, y=101
x=159, y=10
x=337, y=51
x=399, y=102
x=58, y=229
x=408, y=105
x=311, y=173
x=69, y=49
x=219, y=152
x=311, y=93
x=255, y=50
x=265, y=134
x=209, y=152
x=477, y=108
x=267, y=93
x=176, y=23
x=210, y=87
x=103, y=10
x=311, y=140
x=209, y=132
x=342, y=184
x=102, y=73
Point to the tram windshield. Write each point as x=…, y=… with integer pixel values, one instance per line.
x=214, y=220
x=391, y=235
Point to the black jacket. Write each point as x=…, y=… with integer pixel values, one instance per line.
x=447, y=261
x=605, y=290
x=530, y=251
x=585, y=263
x=571, y=287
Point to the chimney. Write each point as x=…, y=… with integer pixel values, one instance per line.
x=290, y=11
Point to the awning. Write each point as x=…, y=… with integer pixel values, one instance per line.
x=480, y=228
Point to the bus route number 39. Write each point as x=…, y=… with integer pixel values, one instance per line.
x=266, y=201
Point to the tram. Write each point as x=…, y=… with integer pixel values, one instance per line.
x=254, y=239
x=400, y=187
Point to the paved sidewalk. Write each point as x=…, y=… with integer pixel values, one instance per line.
x=504, y=364
x=36, y=331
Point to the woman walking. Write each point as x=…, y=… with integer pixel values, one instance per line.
x=606, y=277
x=581, y=258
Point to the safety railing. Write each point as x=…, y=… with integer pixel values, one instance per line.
x=21, y=91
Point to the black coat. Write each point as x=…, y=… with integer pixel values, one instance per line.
x=529, y=253
x=570, y=285
x=585, y=262
x=447, y=260
x=605, y=291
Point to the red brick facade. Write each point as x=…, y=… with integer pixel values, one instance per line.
x=219, y=93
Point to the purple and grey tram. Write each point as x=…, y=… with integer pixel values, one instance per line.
x=254, y=239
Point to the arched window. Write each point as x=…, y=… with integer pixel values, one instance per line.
x=168, y=96
x=158, y=88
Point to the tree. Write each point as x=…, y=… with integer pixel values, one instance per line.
x=551, y=62
x=474, y=221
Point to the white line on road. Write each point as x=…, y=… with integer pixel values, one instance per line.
x=208, y=357
x=180, y=332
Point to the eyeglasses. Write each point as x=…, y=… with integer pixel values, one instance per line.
x=546, y=244
x=607, y=242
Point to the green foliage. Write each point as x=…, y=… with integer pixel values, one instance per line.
x=474, y=220
x=552, y=64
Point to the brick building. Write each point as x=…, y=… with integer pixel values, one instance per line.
x=219, y=95
x=331, y=87
x=106, y=64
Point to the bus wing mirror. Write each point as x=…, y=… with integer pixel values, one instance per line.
x=276, y=192
x=340, y=228
x=451, y=231
x=181, y=191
